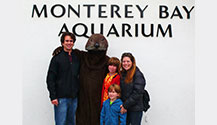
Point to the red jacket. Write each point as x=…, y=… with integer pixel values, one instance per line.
x=115, y=80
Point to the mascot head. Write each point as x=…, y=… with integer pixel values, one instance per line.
x=97, y=42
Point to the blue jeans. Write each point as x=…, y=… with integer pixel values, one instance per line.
x=65, y=111
x=134, y=118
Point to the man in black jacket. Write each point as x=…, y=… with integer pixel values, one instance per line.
x=63, y=81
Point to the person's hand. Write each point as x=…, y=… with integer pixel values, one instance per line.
x=123, y=110
x=55, y=102
x=57, y=50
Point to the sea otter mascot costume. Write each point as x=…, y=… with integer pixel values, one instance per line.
x=93, y=69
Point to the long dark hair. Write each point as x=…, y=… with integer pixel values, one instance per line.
x=132, y=70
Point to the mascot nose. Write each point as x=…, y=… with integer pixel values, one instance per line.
x=96, y=45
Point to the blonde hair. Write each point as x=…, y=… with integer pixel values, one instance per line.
x=115, y=87
x=132, y=70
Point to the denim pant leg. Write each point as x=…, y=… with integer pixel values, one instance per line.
x=134, y=118
x=71, y=111
x=61, y=111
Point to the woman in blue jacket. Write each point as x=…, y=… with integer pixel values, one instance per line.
x=110, y=113
x=132, y=85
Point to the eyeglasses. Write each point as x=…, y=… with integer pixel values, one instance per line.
x=69, y=40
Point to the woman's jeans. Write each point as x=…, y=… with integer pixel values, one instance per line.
x=65, y=111
x=134, y=118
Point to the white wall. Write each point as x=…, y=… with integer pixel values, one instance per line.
x=167, y=63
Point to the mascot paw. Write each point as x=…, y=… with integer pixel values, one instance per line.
x=57, y=50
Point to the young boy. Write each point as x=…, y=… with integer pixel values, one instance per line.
x=110, y=113
x=112, y=77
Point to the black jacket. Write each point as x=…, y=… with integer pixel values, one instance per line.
x=132, y=93
x=63, y=75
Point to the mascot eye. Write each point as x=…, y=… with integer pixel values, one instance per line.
x=103, y=39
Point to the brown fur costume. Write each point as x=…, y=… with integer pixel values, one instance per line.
x=92, y=73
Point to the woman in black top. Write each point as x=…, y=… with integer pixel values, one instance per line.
x=132, y=87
